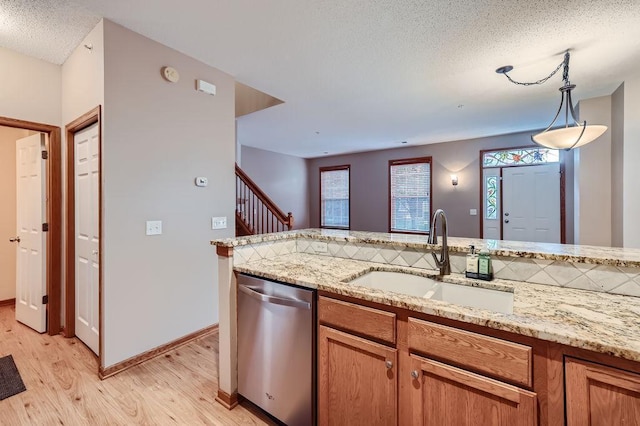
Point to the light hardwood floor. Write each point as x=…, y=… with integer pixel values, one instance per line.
x=63, y=388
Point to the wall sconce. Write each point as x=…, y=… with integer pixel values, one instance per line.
x=454, y=180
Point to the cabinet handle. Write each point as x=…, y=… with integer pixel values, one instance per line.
x=415, y=374
x=389, y=364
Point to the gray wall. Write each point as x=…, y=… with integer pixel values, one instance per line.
x=592, y=163
x=283, y=178
x=158, y=137
x=369, y=182
x=617, y=165
x=631, y=171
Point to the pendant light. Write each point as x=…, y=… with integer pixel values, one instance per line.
x=574, y=134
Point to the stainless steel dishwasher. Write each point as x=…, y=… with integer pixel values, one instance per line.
x=276, y=348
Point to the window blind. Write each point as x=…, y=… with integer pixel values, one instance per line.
x=334, y=197
x=410, y=195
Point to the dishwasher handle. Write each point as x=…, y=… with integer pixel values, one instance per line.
x=293, y=303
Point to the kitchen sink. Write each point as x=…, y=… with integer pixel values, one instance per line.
x=397, y=282
x=429, y=288
x=476, y=297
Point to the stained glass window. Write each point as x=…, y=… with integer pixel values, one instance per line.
x=492, y=197
x=520, y=157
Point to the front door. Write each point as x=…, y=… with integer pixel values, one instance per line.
x=31, y=283
x=531, y=203
x=87, y=267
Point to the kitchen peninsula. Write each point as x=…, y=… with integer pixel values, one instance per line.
x=557, y=334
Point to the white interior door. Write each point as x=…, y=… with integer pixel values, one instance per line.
x=531, y=203
x=87, y=267
x=31, y=282
x=491, y=204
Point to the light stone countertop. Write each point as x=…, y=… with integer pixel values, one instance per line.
x=595, y=321
x=623, y=257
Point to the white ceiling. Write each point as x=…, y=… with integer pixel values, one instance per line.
x=368, y=74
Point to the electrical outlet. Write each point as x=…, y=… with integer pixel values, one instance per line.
x=219, y=222
x=319, y=246
x=154, y=227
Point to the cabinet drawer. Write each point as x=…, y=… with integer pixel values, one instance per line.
x=362, y=320
x=494, y=357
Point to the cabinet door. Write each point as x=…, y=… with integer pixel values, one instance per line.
x=443, y=395
x=357, y=380
x=599, y=395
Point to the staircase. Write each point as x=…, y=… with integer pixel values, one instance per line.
x=255, y=212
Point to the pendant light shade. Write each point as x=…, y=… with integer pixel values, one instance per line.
x=566, y=137
x=574, y=134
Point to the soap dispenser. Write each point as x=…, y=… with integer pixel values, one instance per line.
x=485, y=269
x=472, y=263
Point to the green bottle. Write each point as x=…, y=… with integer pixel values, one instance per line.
x=485, y=270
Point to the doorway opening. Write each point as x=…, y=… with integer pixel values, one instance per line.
x=522, y=194
x=52, y=216
x=83, y=237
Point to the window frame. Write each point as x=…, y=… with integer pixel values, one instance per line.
x=402, y=162
x=346, y=167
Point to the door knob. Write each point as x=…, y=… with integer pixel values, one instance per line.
x=506, y=221
x=15, y=240
x=389, y=364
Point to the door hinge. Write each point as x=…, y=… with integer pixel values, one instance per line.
x=45, y=155
x=45, y=299
x=45, y=227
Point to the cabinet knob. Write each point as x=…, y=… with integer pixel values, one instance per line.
x=15, y=240
x=415, y=374
x=389, y=364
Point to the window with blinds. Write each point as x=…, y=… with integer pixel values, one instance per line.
x=334, y=197
x=410, y=195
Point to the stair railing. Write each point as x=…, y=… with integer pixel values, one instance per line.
x=255, y=211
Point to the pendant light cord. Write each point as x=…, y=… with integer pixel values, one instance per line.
x=565, y=74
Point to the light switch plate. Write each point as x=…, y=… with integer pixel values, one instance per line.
x=219, y=222
x=154, y=227
x=473, y=212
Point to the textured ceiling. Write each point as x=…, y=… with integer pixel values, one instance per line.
x=45, y=29
x=366, y=74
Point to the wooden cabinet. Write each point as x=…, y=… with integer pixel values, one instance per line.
x=493, y=357
x=449, y=368
x=443, y=395
x=357, y=380
x=600, y=395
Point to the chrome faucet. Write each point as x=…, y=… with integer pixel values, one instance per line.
x=443, y=263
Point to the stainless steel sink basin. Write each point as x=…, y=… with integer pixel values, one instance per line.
x=419, y=286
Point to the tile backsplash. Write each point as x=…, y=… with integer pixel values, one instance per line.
x=585, y=276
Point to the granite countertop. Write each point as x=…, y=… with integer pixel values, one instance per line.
x=595, y=321
x=564, y=252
